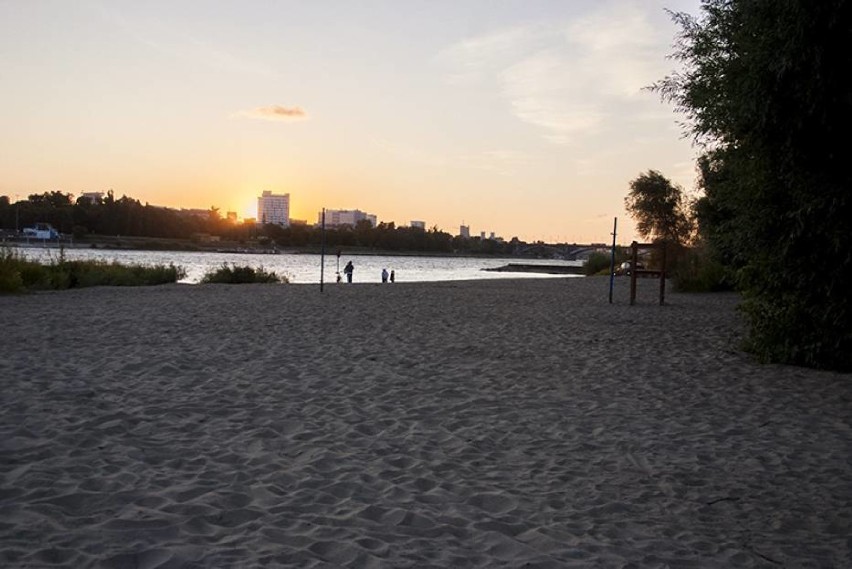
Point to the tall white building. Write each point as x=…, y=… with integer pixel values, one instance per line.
x=273, y=208
x=335, y=217
x=464, y=231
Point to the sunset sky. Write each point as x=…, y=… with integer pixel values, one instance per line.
x=527, y=118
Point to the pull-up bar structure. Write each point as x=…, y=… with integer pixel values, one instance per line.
x=634, y=272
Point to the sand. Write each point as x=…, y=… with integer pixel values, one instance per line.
x=472, y=424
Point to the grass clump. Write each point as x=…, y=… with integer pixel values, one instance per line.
x=19, y=274
x=232, y=274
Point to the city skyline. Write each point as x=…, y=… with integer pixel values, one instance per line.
x=528, y=119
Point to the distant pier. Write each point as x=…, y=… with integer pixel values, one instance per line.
x=544, y=269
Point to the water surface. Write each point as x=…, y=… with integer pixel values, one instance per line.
x=305, y=268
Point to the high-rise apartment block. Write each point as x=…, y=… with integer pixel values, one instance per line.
x=274, y=208
x=464, y=231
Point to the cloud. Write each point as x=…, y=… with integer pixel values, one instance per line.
x=572, y=78
x=474, y=59
x=273, y=113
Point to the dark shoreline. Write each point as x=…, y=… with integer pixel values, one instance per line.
x=545, y=269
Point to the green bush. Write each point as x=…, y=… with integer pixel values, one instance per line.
x=598, y=263
x=18, y=274
x=241, y=275
x=99, y=273
x=11, y=280
x=15, y=272
x=697, y=271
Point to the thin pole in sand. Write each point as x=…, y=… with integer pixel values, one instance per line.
x=634, y=261
x=322, y=252
x=612, y=259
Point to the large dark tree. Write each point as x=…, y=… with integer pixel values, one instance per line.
x=765, y=90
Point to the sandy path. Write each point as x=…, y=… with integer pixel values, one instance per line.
x=475, y=424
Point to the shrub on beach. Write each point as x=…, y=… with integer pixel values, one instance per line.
x=11, y=280
x=698, y=271
x=99, y=273
x=598, y=263
x=232, y=274
x=19, y=274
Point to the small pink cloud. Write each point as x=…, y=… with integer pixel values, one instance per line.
x=273, y=113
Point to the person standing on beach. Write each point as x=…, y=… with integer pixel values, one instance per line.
x=392, y=277
x=347, y=270
x=384, y=275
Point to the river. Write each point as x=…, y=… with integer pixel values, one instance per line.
x=305, y=268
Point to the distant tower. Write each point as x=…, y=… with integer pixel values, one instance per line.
x=274, y=208
x=464, y=231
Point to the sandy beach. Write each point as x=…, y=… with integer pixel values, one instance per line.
x=480, y=424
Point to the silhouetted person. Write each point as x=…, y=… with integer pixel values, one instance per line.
x=392, y=277
x=384, y=275
x=347, y=270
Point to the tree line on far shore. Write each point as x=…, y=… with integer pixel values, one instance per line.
x=128, y=217
x=765, y=91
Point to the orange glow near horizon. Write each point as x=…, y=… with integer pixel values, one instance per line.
x=523, y=120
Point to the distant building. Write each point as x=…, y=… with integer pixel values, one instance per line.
x=231, y=217
x=92, y=197
x=338, y=217
x=482, y=235
x=492, y=236
x=464, y=231
x=418, y=225
x=274, y=208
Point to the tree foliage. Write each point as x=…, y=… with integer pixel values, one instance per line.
x=659, y=208
x=764, y=89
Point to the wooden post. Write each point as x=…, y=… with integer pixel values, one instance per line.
x=634, y=258
x=663, y=275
